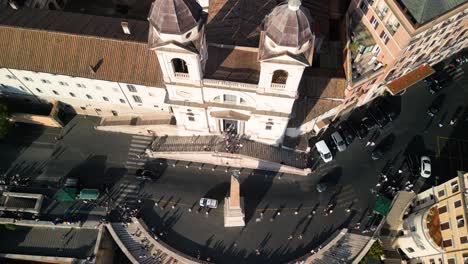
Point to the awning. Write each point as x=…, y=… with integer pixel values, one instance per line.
x=66, y=194
x=229, y=114
x=410, y=78
x=89, y=194
x=382, y=205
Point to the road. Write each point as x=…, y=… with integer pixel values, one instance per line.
x=99, y=158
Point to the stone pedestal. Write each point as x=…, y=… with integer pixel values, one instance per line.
x=233, y=212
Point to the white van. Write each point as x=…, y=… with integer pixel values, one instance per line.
x=324, y=151
x=339, y=142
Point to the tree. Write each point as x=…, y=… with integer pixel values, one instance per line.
x=4, y=120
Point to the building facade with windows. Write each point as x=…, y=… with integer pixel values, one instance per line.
x=105, y=66
x=390, y=39
x=434, y=229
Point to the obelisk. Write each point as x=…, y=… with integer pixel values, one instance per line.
x=233, y=205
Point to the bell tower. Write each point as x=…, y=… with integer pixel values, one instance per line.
x=286, y=48
x=177, y=35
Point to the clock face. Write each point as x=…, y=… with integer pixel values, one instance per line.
x=183, y=94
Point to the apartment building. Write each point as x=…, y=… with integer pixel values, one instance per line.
x=392, y=39
x=434, y=229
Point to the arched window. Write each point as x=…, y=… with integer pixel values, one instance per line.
x=179, y=65
x=280, y=77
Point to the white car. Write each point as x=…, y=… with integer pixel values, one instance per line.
x=339, y=142
x=209, y=203
x=425, y=167
x=324, y=151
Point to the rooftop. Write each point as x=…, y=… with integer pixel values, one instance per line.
x=37, y=43
x=426, y=10
x=42, y=241
x=225, y=64
x=237, y=22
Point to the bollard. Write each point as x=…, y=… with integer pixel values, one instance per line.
x=186, y=166
x=173, y=206
x=212, y=169
x=206, y=212
x=173, y=164
x=279, y=213
x=296, y=212
x=190, y=210
x=199, y=168
x=156, y=204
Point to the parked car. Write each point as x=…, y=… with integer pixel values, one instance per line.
x=208, y=203
x=441, y=121
x=456, y=115
x=385, y=107
x=348, y=131
x=380, y=119
x=434, y=108
x=324, y=151
x=368, y=123
x=142, y=174
x=377, y=154
x=425, y=167
x=362, y=131
x=338, y=140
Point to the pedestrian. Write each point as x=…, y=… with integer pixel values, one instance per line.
x=257, y=252
x=300, y=236
x=290, y=237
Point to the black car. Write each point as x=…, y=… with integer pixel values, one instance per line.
x=385, y=107
x=456, y=115
x=361, y=131
x=435, y=87
x=377, y=154
x=369, y=123
x=347, y=131
x=434, y=108
x=380, y=119
x=145, y=174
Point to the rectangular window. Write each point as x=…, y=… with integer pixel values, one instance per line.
x=447, y=243
x=464, y=239
x=230, y=99
x=454, y=186
x=137, y=99
x=451, y=261
x=460, y=221
x=442, y=209
x=445, y=226
x=10, y=76
x=364, y=6
x=191, y=118
x=45, y=81
x=131, y=88
x=373, y=81
x=63, y=83
x=105, y=99
x=28, y=79
x=80, y=85
x=374, y=22
x=384, y=37
x=410, y=250
x=268, y=127
x=441, y=193
x=457, y=203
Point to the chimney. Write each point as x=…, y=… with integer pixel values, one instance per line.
x=125, y=27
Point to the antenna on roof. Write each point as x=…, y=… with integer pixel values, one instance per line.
x=125, y=27
x=294, y=4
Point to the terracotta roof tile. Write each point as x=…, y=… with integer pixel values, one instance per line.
x=64, y=43
x=410, y=78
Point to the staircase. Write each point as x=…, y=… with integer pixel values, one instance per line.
x=217, y=144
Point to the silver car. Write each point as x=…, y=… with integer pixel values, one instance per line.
x=209, y=203
x=339, y=142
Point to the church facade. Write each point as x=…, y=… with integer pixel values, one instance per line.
x=207, y=88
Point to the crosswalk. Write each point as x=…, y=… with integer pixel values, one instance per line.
x=127, y=191
x=136, y=158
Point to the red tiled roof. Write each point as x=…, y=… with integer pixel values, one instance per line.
x=410, y=78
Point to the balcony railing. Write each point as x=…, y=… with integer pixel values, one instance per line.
x=278, y=85
x=392, y=28
x=382, y=13
x=182, y=75
x=229, y=84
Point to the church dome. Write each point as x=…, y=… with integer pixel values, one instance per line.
x=289, y=24
x=175, y=16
